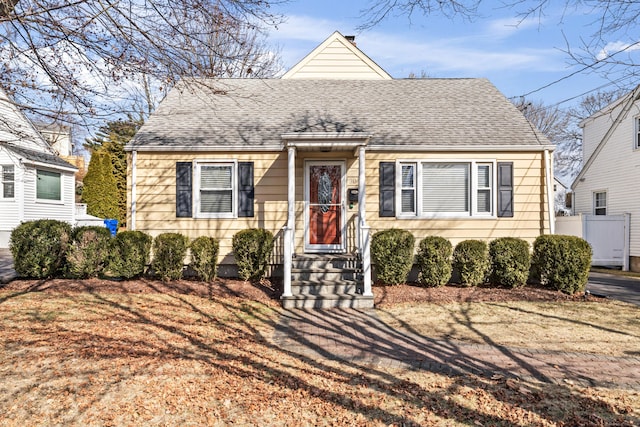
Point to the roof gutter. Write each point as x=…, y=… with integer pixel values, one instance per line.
x=459, y=148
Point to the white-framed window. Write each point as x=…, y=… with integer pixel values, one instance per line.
x=216, y=189
x=8, y=179
x=48, y=185
x=636, y=132
x=446, y=189
x=600, y=203
x=408, y=188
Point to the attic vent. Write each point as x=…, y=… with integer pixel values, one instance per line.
x=351, y=39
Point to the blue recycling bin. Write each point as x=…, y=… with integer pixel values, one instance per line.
x=112, y=225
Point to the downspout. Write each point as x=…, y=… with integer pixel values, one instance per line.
x=134, y=159
x=550, y=203
x=365, y=231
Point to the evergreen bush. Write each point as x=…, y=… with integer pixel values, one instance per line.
x=129, y=254
x=204, y=257
x=252, y=249
x=169, y=251
x=392, y=253
x=510, y=261
x=38, y=247
x=100, y=191
x=562, y=262
x=434, y=261
x=89, y=251
x=471, y=262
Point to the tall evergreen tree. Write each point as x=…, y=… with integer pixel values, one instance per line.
x=111, y=138
x=100, y=191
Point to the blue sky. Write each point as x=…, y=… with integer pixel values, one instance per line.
x=517, y=57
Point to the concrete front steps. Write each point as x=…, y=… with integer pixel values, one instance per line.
x=326, y=281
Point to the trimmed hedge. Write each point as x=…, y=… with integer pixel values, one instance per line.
x=434, y=261
x=392, y=253
x=510, y=261
x=169, y=251
x=129, y=254
x=38, y=247
x=252, y=249
x=88, y=253
x=562, y=262
x=204, y=257
x=471, y=261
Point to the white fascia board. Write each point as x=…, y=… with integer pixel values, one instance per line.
x=201, y=148
x=460, y=148
x=49, y=166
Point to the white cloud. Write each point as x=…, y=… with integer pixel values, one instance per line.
x=400, y=53
x=614, y=47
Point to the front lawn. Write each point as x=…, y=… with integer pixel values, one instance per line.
x=100, y=353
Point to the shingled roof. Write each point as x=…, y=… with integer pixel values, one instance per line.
x=33, y=156
x=254, y=113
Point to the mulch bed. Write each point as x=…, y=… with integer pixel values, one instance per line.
x=269, y=293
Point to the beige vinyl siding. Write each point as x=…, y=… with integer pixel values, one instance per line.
x=615, y=171
x=530, y=207
x=335, y=59
x=156, y=197
x=156, y=211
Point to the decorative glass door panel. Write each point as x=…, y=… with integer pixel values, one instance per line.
x=324, y=207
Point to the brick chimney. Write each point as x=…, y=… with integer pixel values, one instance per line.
x=351, y=39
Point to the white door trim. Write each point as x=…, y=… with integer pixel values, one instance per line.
x=340, y=248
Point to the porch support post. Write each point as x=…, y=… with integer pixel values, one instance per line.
x=364, y=228
x=289, y=229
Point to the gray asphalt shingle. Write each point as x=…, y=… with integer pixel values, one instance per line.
x=256, y=112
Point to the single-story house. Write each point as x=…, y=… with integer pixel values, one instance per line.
x=611, y=137
x=35, y=182
x=330, y=153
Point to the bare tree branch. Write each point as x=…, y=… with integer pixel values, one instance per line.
x=79, y=59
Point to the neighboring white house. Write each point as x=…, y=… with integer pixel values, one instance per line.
x=611, y=150
x=35, y=183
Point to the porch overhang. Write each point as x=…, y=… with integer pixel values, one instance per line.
x=326, y=141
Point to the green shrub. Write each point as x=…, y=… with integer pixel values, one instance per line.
x=471, y=261
x=562, y=262
x=204, y=257
x=252, y=249
x=129, y=254
x=434, y=261
x=38, y=247
x=88, y=253
x=392, y=253
x=510, y=261
x=169, y=251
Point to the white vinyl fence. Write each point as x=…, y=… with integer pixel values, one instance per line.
x=608, y=236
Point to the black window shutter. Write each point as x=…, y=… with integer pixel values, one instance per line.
x=183, y=190
x=245, y=189
x=505, y=189
x=387, y=189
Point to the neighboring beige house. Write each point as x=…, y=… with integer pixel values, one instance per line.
x=330, y=153
x=611, y=152
x=34, y=182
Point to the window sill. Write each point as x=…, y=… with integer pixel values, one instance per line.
x=49, y=202
x=439, y=217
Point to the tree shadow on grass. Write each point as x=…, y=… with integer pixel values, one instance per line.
x=169, y=328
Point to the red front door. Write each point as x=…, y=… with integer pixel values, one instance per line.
x=324, y=207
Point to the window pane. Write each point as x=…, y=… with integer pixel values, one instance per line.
x=445, y=187
x=484, y=201
x=8, y=179
x=484, y=176
x=408, y=201
x=407, y=175
x=215, y=177
x=216, y=201
x=48, y=185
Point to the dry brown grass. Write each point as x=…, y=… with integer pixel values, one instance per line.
x=607, y=327
x=78, y=355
